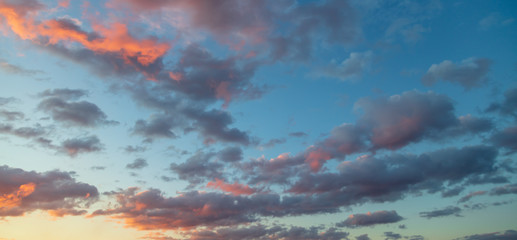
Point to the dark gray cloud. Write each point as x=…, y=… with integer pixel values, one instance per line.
x=199, y=168
x=24, y=132
x=471, y=72
x=134, y=149
x=55, y=192
x=60, y=105
x=363, y=237
x=151, y=210
x=159, y=126
x=11, y=115
x=370, y=219
x=509, y=105
x=506, y=189
x=139, y=163
x=75, y=146
x=507, y=235
x=261, y=232
x=230, y=154
x=448, y=211
x=390, y=178
x=506, y=138
x=452, y=192
x=392, y=236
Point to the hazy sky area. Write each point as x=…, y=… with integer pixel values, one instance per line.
x=258, y=119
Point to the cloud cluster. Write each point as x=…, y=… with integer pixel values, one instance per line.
x=56, y=192
x=369, y=219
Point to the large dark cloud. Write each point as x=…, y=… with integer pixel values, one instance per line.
x=151, y=210
x=79, y=113
x=471, y=72
x=448, y=211
x=55, y=192
x=392, y=177
x=370, y=219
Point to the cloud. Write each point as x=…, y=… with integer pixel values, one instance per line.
x=134, y=149
x=159, y=126
x=56, y=192
x=494, y=20
x=152, y=211
x=298, y=134
x=11, y=115
x=370, y=219
x=18, y=70
x=64, y=93
x=471, y=195
x=271, y=143
x=506, y=138
x=75, y=146
x=507, y=235
x=390, y=178
x=276, y=232
x=230, y=154
x=506, y=189
x=114, y=40
x=469, y=73
x=198, y=168
x=80, y=113
x=235, y=188
x=509, y=105
x=5, y=101
x=392, y=236
x=351, y=68
x=448, y=211
x=24, y=132
x=363, y=237
x=139, y=163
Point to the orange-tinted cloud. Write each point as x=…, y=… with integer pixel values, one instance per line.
x=235, y=188
x=112, y=39
x=11, y=200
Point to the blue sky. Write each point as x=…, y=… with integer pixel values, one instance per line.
x=175, y=119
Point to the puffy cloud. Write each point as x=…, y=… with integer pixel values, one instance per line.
x=56, y=192
x=471, y=72
x=75, y=146
x=159, y=126
x=390, y=178
x=230, y=154
x=139, y=163
x=369, y=219
x=151, y=210
x=233, y=188
x=198, y=168
x=448, y=211
x=351, y=68
x=80, y=113
x=507, y=235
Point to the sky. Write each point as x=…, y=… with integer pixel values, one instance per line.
x=270, y=119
